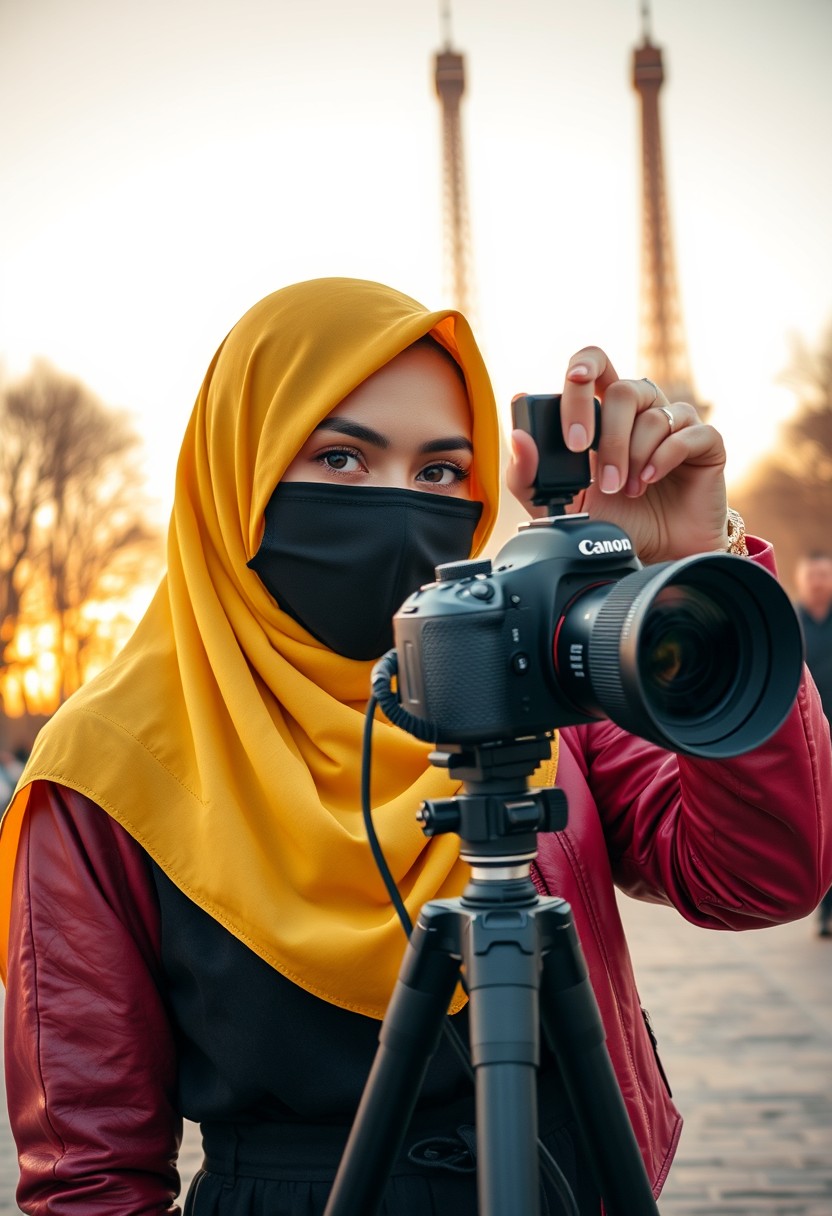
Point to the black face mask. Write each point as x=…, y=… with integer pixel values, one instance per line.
x=342, y=559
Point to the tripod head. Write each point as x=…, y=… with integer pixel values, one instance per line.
x=498, y=815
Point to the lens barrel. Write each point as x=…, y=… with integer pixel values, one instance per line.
x=702, y=656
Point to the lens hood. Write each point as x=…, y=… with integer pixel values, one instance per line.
x=702, y=656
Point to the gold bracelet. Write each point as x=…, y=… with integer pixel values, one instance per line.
x=736, y=533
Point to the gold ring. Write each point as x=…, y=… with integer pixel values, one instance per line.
x=670, y=420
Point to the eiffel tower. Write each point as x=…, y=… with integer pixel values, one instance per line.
x=449, y=76
x=663, y=352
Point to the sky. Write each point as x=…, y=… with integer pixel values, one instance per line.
x=167, y=163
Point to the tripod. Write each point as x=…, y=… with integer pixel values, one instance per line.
x=523, y=965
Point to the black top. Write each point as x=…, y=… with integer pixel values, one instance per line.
x=254, y=1045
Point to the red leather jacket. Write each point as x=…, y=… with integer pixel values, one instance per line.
x=90, y=1055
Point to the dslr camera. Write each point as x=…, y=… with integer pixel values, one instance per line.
x=701, y=656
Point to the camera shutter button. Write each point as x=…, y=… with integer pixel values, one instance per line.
x=481, y=591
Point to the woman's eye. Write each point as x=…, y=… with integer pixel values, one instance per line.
x=340, y=460
x=443, y=474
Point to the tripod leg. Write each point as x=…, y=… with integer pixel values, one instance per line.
x=575, y=1032
x=408, y=1038
x=502, y=964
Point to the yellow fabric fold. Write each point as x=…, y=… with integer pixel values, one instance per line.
x=224, y=738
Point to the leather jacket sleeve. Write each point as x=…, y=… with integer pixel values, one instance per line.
x=90, y=1060
x=732, y=844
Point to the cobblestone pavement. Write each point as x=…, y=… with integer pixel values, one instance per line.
x=744, y=1023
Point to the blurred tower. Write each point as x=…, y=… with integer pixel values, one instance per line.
x=663, y=352
x=450, y=86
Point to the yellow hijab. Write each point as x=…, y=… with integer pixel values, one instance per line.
x=224, y=738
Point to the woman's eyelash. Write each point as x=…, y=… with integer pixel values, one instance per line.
x=459, y=469
x=339, y=451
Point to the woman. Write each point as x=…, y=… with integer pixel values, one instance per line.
x=196, y=925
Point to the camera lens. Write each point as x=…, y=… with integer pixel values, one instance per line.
x=702, y=656
x=686, y=652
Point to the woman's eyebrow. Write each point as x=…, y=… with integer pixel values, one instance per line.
x=355, y=430
x=454, y=443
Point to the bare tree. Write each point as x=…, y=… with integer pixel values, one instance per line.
x=73, y=521
x=787, y=496
x=24, y=488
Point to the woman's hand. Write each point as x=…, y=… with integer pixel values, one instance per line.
x=662, y=483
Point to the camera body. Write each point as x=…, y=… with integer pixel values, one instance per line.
x=482, y=653
x=702, y=656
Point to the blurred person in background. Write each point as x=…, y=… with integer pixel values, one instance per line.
x=813, y=582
